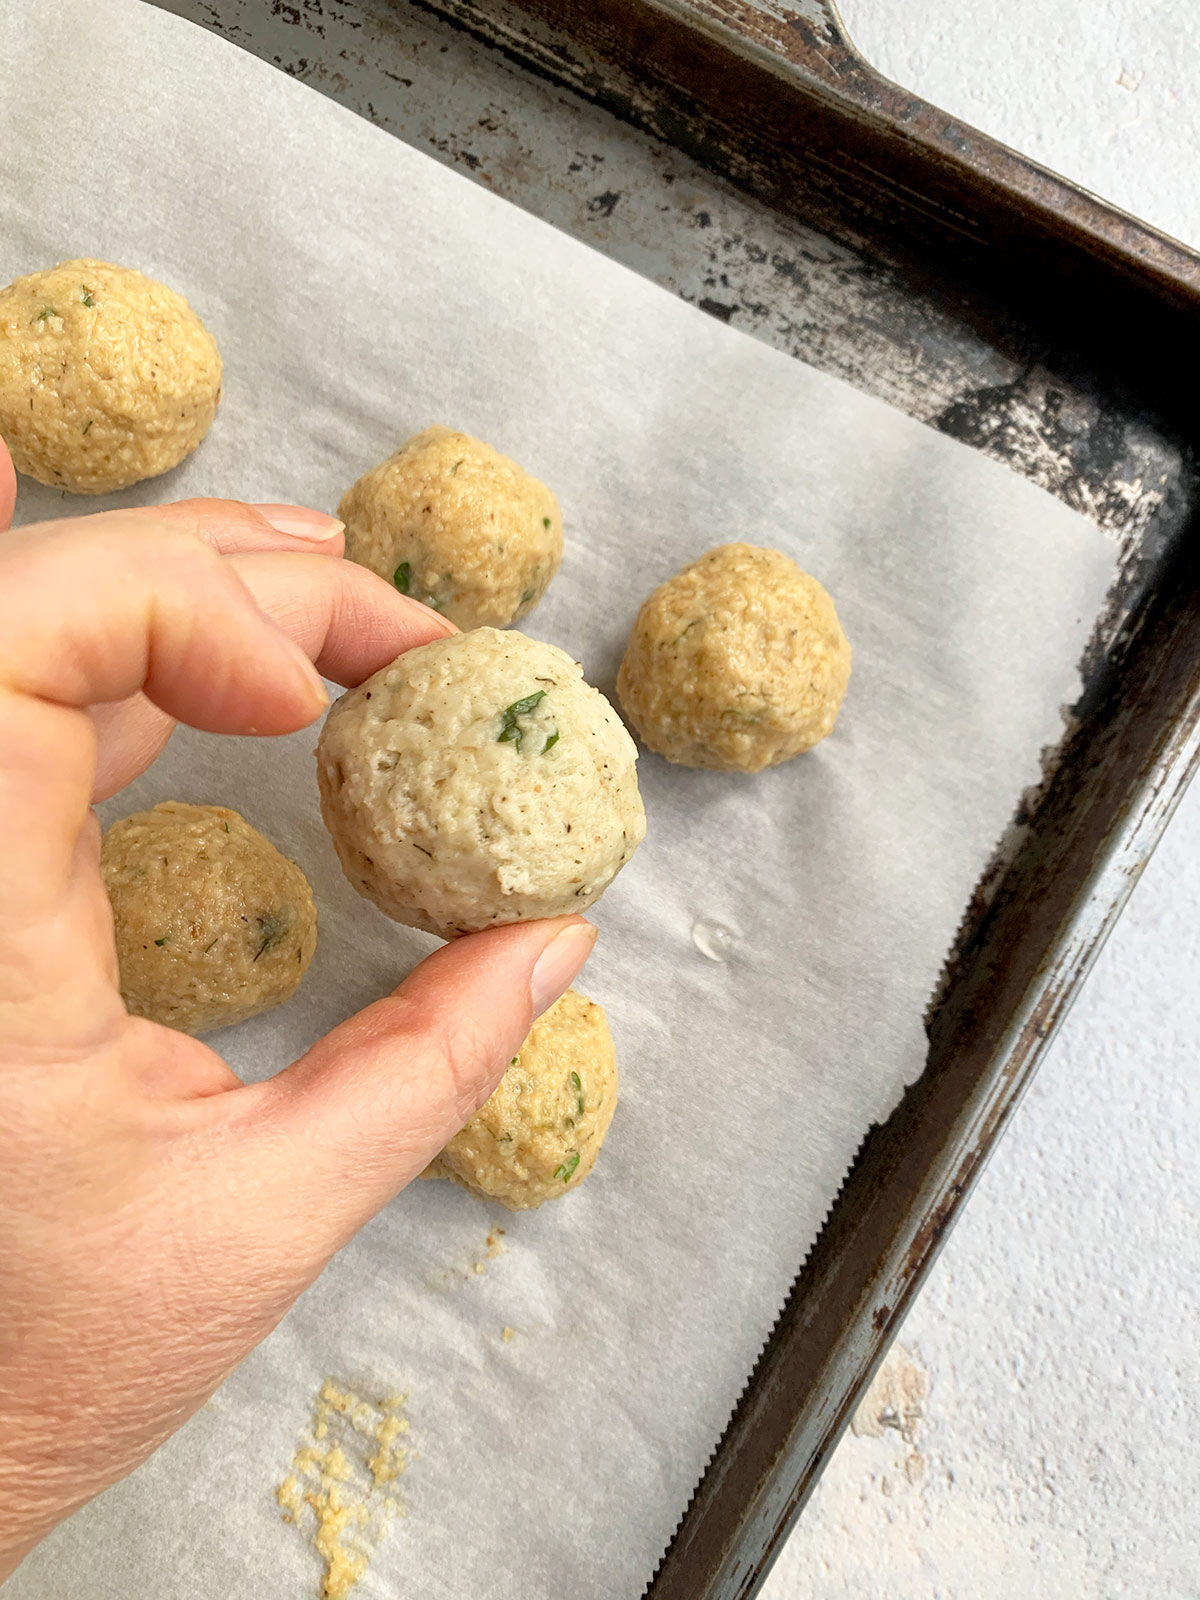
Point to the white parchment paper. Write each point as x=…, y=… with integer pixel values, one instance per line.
x=359, y=292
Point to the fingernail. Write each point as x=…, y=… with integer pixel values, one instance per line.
x=317, y=693
x=301, y=523
x=559, y=964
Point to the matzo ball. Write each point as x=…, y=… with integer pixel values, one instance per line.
x=106, y=377
x=212, y=923
x=539, y=1134
x=476, y=781
x=738, y=662
x=458, y=526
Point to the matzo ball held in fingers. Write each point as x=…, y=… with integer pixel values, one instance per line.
x=477, y=781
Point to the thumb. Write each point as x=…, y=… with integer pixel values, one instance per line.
x=8, y=487
x=370, y=1105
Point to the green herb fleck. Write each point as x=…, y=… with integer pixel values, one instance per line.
x=522, y=708
x=163, y=940
x=551, y=741
x=545, y=522
x=694, y=623
x=210, y=944
x=226, y=827
x=510, y=727
x=272, y=926
x=86, y=295
x=456, y=465
x=87, y=427
x=46, y=313
x=402, y=577
x=577, y=1085
x=530, y=594
x=568, y=1167
x=514, y=1061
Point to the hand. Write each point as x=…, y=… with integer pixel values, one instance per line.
x=143, y=1247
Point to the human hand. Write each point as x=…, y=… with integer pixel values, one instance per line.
x=157, y=1217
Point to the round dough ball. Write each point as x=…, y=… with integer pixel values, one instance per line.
x=540, y=1133
x=453, y=523
x=106, y=377
x=212, y=923
x=738, y=662
x=479, y=780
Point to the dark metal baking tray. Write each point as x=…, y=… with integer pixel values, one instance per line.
x=743, y=154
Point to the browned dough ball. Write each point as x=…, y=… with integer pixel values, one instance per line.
x=540, y=1133
x=736, y=663
x=212, y=923
x=106, y=377
x=455, y=524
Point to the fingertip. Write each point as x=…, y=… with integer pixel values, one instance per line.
x=560, y=963
x=348, y=619
x=312, y=697
x=431, y=617
x=8, y=487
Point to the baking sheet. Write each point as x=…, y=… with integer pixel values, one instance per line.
x=358, y=292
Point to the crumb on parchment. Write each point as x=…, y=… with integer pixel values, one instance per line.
x=340, y=1492
x=492, y=1247
x=450, y=1277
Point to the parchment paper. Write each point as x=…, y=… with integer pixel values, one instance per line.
x=359, y=292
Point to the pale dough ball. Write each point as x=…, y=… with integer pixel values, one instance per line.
x=540, y=1133
x=106, y=377
x=212, y=923
x=479, y=780
x=453, y=523
x=738, y=662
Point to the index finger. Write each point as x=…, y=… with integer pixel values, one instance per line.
x=347, y=620
x=93, y=614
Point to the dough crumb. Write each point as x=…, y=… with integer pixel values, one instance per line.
x=356, y=1449
x=507, y=1334
x=492, y=1249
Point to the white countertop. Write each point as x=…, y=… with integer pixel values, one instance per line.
x=1057, y=1337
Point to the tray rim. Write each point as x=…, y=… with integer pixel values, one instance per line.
x=705, y=1561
